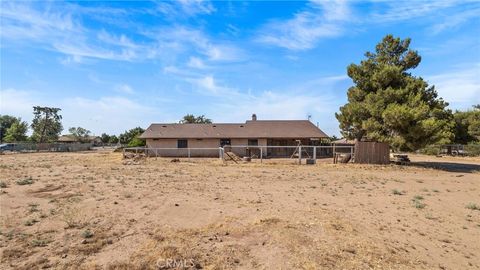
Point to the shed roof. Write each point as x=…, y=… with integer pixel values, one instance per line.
x=249, y=129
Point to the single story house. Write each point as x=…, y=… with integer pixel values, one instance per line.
x=175, y=139
x=69, y=138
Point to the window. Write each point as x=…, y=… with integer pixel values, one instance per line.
x=253, y=142
x=224, y=142
x=182, y=144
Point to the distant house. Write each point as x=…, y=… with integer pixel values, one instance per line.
x=252, y=133
x=69, y=138
x=343, y=141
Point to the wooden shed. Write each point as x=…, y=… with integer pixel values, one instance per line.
x=372, y=153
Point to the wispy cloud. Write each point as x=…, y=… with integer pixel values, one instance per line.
x=322, y=19
x=405, y=10
x=112, y=114
x=195, y=62
x=124, y=88
x=327, y=19
x=60, y=28
x=187, y=39
x=455, y=20
x=208, y=85
x=185, y=8
x=460, y=86
x=443, y=15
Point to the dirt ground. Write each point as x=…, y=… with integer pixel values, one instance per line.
x=91, y=211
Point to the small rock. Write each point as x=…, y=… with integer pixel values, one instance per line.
x=236, y=261
x=177, y=204
x=64, y=256
x=115, y=202
x=84, y=241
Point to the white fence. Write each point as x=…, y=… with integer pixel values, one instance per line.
x=252, y=151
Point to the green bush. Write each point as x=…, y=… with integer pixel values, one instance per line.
x=430, y=150
x=472, y=149
x=136, y=142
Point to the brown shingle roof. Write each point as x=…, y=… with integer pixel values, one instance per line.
x=250, y=129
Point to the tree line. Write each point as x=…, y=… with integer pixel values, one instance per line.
x=47, y=126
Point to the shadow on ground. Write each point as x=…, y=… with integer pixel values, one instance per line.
x=448, y=166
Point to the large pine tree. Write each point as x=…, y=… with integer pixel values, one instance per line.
x=388, y=104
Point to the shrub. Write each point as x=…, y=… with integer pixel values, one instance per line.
x=472, y=149
x=3, y=184
x=417, y=202
x=33, y=207
x=473, y=206
x=87, y=234
x=418, y=197
x=136, y=142
x=26, y=181
x=40, y=242
x=397, y=192
x=430, y=150
x=30, y=222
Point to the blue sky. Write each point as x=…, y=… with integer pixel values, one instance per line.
x=112, y=66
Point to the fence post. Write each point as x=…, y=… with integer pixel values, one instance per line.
x=351, y=153
x=123, y=152
x=220, y=152
x=261, y=154
x=188, y=154
x=334, y=154
x=315, y=154
x=299, y=155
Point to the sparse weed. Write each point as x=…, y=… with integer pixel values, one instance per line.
x=30, y=222
x=72, y=218
x=87, y=234
x=26, y=181
x=33, y=207
x=397, y=192
x=473, y=206
x=429, y=216
x=40, y=242
x=417, y=197
x=9, y=235
x=417, y=202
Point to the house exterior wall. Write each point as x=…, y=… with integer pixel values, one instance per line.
x=168, y=148
x=173, y=151
x=243, y=151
